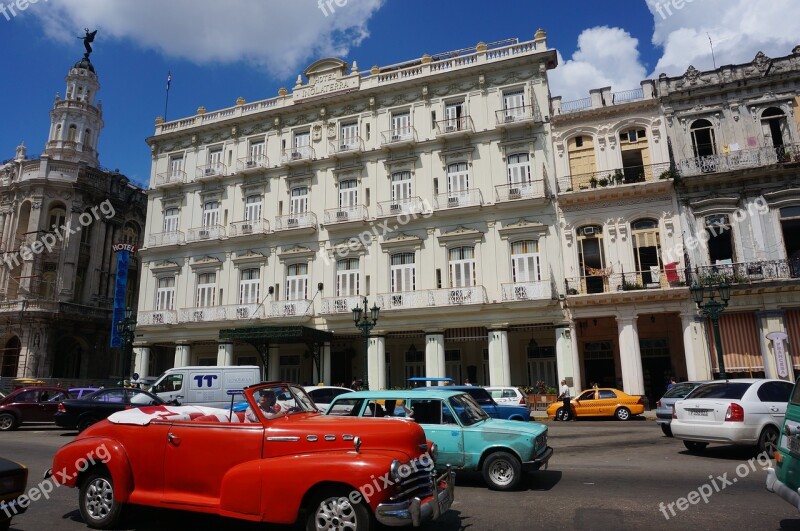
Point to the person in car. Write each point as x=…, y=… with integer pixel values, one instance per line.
x=268, y=405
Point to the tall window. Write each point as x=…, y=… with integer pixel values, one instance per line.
x=452, y=365
x=453, y=112
x=404, y=274
x=775, y=128
x=73, y=133
x=581, y=156
x=299, y=203
x=401, y=186
x=349, y=136
x=211, y=213
x=206, y=289
x=703, y=140
x=348, y=193
x=347, y=277
x=165, y=294
x=525, y=261
x=462, y=267
x=215, y=157
x=519, y=168
x=591, y=259
x=257, y=151
x=87, y=138
x=647, y=249
x=302, y=144
x=250, y=286
x=171, y=216
x=514, y=103
x=176, y=165
x=401, y=125
x=252, y=208
x=457, y=180
x=720, y=243
x=297, y=282
x=130, y=234
x=57, y=216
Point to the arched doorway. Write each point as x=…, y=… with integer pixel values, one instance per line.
x=67, y=362
x=10, y=358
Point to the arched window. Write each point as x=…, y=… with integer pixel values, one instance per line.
x=87, y=139
x=130, y=234
x=73, y=133
x=703, y=139
x=775, y=128
x=57, y=216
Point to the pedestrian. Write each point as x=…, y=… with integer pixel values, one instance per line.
x=671, y=383
x=564, y=397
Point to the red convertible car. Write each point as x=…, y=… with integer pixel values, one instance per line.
x=280, y=462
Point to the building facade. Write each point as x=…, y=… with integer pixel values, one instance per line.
x=427, y=187
x=60, y=214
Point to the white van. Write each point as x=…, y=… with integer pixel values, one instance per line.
x=204, y=385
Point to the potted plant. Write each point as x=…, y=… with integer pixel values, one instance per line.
x=593, y=182
x=603, y=181
x=666, y=174
x=618, y=176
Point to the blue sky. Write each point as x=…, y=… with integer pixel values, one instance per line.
x=218, y=51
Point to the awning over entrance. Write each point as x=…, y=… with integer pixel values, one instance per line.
x=740, y=348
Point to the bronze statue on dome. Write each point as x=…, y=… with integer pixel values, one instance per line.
x=88, y=39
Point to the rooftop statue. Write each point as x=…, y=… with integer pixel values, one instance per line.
x=87, y=40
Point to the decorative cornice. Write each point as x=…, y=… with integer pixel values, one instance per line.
x=165, y=266
x=402, y=240
x=461, y=234
x=208, y=262
x=297, y=251
x=523, y=227
x=249, y=257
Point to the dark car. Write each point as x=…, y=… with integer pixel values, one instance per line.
x=664, y=406
x=30, y=404
x=13, y=480
x=81, y=413
x=487, y=403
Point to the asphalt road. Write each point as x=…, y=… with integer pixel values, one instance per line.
x=603, y=475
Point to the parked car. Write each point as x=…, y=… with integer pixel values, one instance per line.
x=13, y=480
x=30, y=404
x=746, y=411
x=466, y=437
x=485, y=401
x=81, y=413
x=507, y=396
x=603, y=402
x=323, y=395
x=300, y=467
x=664, y=405
x=784, y=479
x=80, y=392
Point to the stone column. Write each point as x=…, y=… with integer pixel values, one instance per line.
x=697, y=363
x=141, y=364
x=576, y=360
x=183, y=355
x=376, y=362
x=499, y=361
x=434, y=355
x=568, y=365
x=630, y=355
x=772, y=321
x=225, y=354
x=274, y=368
x=325, y=362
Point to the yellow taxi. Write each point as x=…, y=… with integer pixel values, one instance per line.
x=603, y=402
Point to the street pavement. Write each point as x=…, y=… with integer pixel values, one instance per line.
x=604, y=474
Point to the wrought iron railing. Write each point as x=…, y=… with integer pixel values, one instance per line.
x=527, y=291
x=740, y=159
x=747, y=272
x=399, y=135
x=250, y=226
x=157, y=317
x=208, y=171
x=302, y=220
x=603, y=282
x=166, y=238
x=345, y=214
x=433, y=297
x=211, y=232
x=462, y=124
x=252, y=163
x=458, y=199
x=524, y=190
x=615, y=177
x=297, y=154
x=410, y=205
x=290, y=308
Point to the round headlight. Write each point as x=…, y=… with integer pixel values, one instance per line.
x=394, y=471
x=434, y=452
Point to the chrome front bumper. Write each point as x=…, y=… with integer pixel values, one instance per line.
x=416, y=511
x=778, y=487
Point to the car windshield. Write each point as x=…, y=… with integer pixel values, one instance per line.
x=282, y=400
x=467, y=410
x=680, y=390
x=481, y=396
x=728, y=390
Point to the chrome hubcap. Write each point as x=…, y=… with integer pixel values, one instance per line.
x=501, y=472
x=623, y=414
x=336, y=514
x=5, y=422
x=99, y=498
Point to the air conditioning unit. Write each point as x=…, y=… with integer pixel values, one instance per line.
x=341, y=214
x=396, y=137
x=588, y=231
x=242, y=312
x=395, y=208
x=247, y=228
x=452, y=201
x=292, y=222
x=450, y=128
x=204, y=233
x=511, y=118
x=296, y=155
x=514, y=193
x=344, y=147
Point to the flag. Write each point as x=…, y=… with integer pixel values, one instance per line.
x=169, y=79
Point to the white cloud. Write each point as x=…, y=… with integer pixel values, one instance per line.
x=277, y=35
x=605, y=57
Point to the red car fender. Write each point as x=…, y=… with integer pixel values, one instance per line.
x=274, y=488
x=81, y=455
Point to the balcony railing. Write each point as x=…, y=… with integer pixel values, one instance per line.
x=341, y=304
x=157, y=317
x=740, y=159
x=347, y=145
x=400, y=135
x=205, y=314
x=748, y=272
x=518, y=115
x=655, y=279
x=171, y=178
x=433, y=297
x=528, y=291
x=298, y=154
x=409, y=206
x=166, y=238
x=303, y=220
x=290, y=308
x=210, y=171
x=626, y=96
x=253, y=226
x=615, y=177
x=576, y=105
x=345, y=214
x=451, y=126
x=211, y=232
x=523, y=190
x=252, y=163
x=460, y=199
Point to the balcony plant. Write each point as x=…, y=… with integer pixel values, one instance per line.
x=619, y=176
x=593, y=182
x=603, y=181
x=631, y=285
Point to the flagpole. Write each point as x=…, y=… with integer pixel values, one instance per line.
x=166, y=101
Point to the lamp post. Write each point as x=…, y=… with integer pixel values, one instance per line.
x=365, y=319
x=126, y=328
x=713, y=308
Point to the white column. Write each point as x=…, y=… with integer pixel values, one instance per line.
x=630, y=355
x=323, y=375
x=225, y=354
x=141, y=363
x=434, y=355
x=576, y=360
x=499, y=362
x=274, y=368
x=697, y=366
x=770, y=321
x=567, y=362
x=376, y=362
x=183, y=355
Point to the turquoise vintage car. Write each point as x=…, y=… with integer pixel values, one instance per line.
x=466, y=437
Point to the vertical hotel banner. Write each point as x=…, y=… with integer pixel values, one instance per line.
x=124, y=252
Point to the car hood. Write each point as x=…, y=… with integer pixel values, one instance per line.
x=504, y=427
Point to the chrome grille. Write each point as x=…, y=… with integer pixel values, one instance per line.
x=417, y=484
x=540, y=445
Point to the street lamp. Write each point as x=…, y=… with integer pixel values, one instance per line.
x=125, y=329
x=366, y=322
x=713, y=308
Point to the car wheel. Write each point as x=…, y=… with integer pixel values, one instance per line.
x=695, y=447
x=502, y=471
x=96, y=501
x=768, y=441
x=623, y=413
x=86, y=422
x=8, y=422
x=667, y=430
x=332, y=509
x=561, y=414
